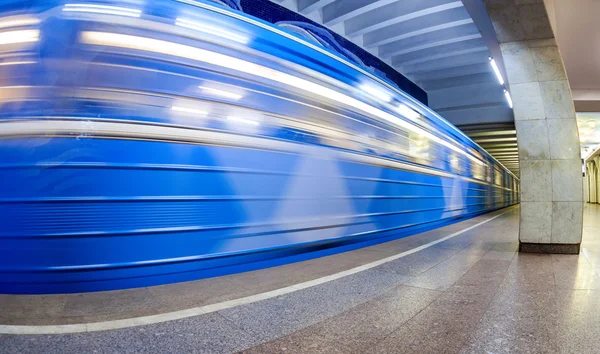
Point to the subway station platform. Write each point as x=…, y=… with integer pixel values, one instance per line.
x=458, y=289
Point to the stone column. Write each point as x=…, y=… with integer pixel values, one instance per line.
x=548, y=140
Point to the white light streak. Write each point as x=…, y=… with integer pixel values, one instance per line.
x=243, y=120
x=407, y=112
x=102, y=9
x=210, y=29
x=217, y=92
x=15, y=21
x=222, y=60
x=374, y=91
x=17, y=63
x=21, y=36
x=189, y=110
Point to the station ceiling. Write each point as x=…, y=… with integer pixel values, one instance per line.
x=443, y=46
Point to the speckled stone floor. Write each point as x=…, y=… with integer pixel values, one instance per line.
x=470, y=294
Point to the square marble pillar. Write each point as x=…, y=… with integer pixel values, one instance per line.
x=549, y=155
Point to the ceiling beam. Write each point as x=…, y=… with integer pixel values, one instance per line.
x=307, y=6
x=399, y=62
x=495, y=140
x=456, y=71
x=430, y=41
x=396, y=12
x=340, y=11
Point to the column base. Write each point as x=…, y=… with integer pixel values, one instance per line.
x=557, y=248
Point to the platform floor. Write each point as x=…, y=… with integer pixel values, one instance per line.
x=443, y=291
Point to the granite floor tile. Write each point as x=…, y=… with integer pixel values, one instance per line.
x=486, y=273
x=502, y=251
x=446, y=324
x=396, y=246
x=109, y=302
x=300, y=342
x=417, y=263
x=443, y=326
x=518, y=320
x=430, y=331
x=513, y=337
x=529, y=271
x=204, y=334
x=201, y=292
x=16, y=307
x=445, y=274
x=578, y=320
x=366, y=324
x=574, y=272
x=517, y=324
x=285, y=314
x=510, y=246
x=461, y=241
x=494, y=255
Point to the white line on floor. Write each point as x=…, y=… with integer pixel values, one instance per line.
x=195, y=311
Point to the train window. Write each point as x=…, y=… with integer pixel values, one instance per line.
x=498, y=177
x=478, y=171
x=488, y=173
x=454, y=164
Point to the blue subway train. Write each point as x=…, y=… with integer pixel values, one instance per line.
x=150, y=142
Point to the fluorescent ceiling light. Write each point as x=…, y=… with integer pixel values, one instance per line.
x=242, y=120
x=508, y=99
x=407, y=112
x=217, y=92
x=22, y=36
x=591, y=124
x=102, y=9
x=189, y=110
x=493, y=151
x=492, y=133
x=374, y=91
x=497, y=71
x=210, y=29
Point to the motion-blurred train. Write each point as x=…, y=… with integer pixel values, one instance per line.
x=149, y=142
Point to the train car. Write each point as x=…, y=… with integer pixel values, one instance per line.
x=149, y=142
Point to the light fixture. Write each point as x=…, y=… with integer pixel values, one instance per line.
x=17, y=21
x=508, y=99
x=496, y=71
x=407, y=112
x=374, y=91
x=217, y=92
x=210, y=29
x=242, y=120
x=494, y=140
x=102, y=9
x=591, y=125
